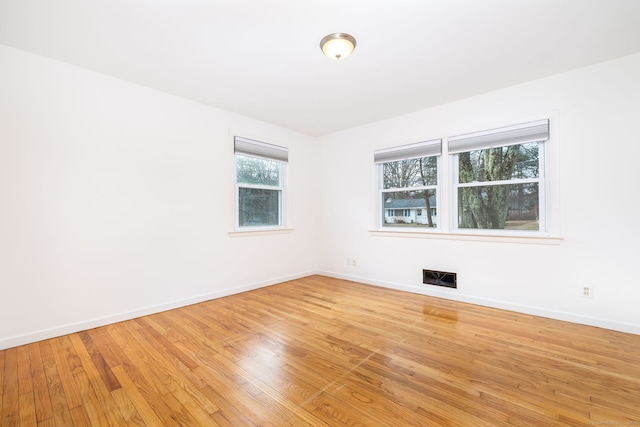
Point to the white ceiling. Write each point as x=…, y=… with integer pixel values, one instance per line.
x=261, y=58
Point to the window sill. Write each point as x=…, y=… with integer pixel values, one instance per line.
x=260, y=232
x=519, y=238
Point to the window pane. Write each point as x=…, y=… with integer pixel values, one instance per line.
x=258, y=207
x=410, y=173
x=409, y=208
x=499, y=207
x=253, y=170
x=497, y=164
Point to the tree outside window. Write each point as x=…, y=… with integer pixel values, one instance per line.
x=260, y=177
x=408, y=184
x=499, y=188
x=499, y=180
x=416, y=179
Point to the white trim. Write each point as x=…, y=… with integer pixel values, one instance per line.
x=245, y=232
x=469, y=237
x=514, y=181
x=455, y=295
x=281, y=188
x=380, y=191
x=543, y=201
x=446, y=190
x=450, y=294
x=70, y=328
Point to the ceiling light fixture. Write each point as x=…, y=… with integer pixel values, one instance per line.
x=338, y=45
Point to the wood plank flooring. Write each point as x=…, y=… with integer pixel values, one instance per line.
x=326, y=352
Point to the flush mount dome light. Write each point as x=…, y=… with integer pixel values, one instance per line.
x=338, y=45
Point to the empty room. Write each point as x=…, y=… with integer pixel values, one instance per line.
x=303, y=213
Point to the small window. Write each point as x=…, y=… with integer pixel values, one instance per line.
x=499, y=178
x=408, y=183
x=260, y=188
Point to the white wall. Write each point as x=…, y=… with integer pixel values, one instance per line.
x=595, y=114
x=116, y=200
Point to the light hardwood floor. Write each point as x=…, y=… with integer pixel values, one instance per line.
x=326, y=352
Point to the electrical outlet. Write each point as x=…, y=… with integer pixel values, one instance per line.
x=348, y=261
x=587, y=291
x=354, y=262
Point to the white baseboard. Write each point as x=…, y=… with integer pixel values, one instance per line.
x=43, y=334
x=454, y=295
x=451, y=294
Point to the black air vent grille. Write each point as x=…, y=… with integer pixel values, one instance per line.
x=439, y=278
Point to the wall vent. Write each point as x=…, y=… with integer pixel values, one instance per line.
x=439, y=278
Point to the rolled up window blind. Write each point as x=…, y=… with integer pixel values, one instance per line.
x=510, y=135
x=410, y=151
x=250, y=147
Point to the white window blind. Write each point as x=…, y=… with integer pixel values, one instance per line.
x=263, y=150
x=510, y=135
x=410, y=151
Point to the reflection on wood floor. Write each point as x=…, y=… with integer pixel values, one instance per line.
x=326, y=352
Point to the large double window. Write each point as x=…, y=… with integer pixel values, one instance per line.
x=496, y=182
x=499, y=178
x=260, y=183
x=408, y=182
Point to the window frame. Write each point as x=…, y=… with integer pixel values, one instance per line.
x=512, y=135
x=424, y=149
x=549, y=229
x=264, y=151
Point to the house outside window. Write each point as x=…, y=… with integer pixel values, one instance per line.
x=408, y=184
x=499, y=178
x=260, y=184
